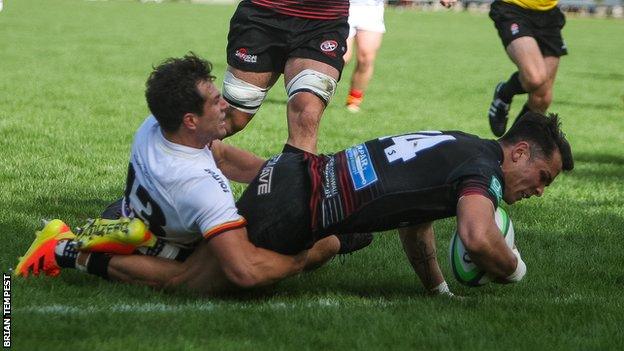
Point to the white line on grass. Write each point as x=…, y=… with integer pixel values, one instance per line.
x=199, y=306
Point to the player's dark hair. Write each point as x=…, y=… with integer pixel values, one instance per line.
x=171, y=89
x=543, y=134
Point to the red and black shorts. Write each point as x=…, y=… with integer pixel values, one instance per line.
x=513, y=22
x=261, y=40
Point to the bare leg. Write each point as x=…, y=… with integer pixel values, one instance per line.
x=305, y=109
x=200, y=272
x=368, y=44
x=540, y=99
x=236, y=119
x=347, y=56
x=322, y=251
x=537, y=73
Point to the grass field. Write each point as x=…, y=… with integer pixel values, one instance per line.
x=71, y=95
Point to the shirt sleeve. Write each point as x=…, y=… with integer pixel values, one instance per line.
x=475, y=186
x=479, y=176
x=208, y=206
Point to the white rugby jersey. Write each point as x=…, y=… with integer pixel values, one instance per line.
x=178, y=190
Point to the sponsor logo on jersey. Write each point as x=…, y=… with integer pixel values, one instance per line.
x=496, y=189
x=242, y=55
x=266, y=175
x=216, y=176
x=360, y=166
x=515, y=28
x=330, y=185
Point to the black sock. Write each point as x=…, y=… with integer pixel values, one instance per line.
x=525, y=109
x=65, y=254
x=510, y=88
x=291, y=149
x=98, y=264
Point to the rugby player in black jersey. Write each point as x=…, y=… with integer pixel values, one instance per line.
x=407, y=182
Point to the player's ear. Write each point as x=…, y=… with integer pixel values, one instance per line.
x=521, y=148
x=189, y=120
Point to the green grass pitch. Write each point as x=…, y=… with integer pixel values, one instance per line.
x=72, y=79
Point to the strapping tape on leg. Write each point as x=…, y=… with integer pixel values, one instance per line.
x=241, y=95
x=313, y=82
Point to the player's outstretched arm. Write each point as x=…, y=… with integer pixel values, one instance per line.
x=478, y=231
x=240, y=263
x=420, y=248
x=236, y=164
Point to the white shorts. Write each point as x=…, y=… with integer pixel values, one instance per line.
x=366, y=17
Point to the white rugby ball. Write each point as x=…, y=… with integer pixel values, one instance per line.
x=464, y=270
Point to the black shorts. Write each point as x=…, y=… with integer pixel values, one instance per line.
x=513, y=22
x=261, y=40
x=276, y=205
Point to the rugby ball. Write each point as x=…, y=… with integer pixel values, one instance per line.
x=464, y=270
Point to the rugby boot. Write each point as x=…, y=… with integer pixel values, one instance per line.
x=40, y=255
x=113, y=211
x=352, y=242
x=119, y=236
x=497, y=114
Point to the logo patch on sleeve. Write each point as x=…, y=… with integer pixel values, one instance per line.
x=360, y=166
x=496, y=189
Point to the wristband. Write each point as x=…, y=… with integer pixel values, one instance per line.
x=521, y=268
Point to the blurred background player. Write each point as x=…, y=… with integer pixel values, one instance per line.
x=366, y=28
x=531, y=34
x=304, y=40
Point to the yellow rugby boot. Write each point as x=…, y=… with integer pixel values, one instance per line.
x=120, y=236
x=40, y=255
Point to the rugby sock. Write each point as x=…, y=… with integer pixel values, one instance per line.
x=355, y=97
x=65, y=254
x=291, y=149
x=510, y=88
x=525, y=109
x=97, y=264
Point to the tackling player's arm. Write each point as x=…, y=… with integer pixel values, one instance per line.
x=236, y=164
x=419, y=246
x=478, y=231
x=238, y=263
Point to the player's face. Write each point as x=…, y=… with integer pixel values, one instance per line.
x=530, y=176
x=211, y=123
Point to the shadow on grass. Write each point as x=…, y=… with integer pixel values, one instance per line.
x=599, y=158
x=592, y=105
x=616, y=77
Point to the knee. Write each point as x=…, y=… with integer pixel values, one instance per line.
x=534, y=80
x=541, y=99
x=365, y=61
x=305, y=109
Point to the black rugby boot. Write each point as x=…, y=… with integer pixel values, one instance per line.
x=353, y=242
x=497, y=114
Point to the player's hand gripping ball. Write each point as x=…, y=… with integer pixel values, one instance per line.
x=464, y=270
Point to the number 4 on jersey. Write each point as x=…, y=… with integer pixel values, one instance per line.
x=408, y=146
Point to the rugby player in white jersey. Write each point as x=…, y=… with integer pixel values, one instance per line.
x=178, y=183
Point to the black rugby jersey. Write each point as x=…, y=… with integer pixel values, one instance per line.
x=401, y=180
x=311, y=9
